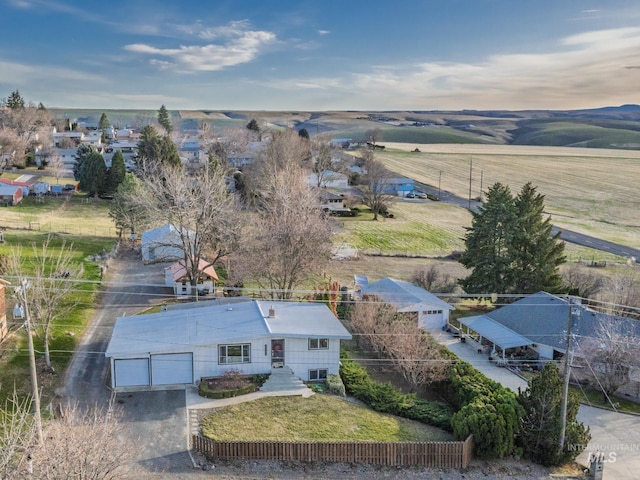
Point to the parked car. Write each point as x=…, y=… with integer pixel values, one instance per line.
x=421, y=195
x=410, y=195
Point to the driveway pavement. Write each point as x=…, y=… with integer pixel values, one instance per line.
x=616, y=435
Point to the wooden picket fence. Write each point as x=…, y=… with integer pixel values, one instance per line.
x=425, y=454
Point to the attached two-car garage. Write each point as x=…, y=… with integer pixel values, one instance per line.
x=155, y=370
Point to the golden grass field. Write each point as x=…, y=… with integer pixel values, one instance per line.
x=592, y=191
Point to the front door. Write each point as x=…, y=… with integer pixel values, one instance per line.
x=277, y=353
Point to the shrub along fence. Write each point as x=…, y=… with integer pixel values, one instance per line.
x=424, y=454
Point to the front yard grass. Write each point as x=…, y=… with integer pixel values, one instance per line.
x=317, y=418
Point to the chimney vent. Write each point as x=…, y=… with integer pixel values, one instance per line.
x=272, y=313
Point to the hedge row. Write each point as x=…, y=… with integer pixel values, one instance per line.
x=487, y=410
x=385, y=398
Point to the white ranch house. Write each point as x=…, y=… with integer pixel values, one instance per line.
x=178, y=347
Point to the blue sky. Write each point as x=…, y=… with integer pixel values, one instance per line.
x=322, y=54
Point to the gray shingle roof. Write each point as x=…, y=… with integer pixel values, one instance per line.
x=402, y=294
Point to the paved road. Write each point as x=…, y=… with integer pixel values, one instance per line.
x=566, y=235
x=617, y=435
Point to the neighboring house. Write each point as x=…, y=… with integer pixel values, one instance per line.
x=331, y=202
x=74, y=135
x=247, y=156
x=162, y=244
x=535, y=327
x=176, y=277
x=25, y=186
x=68, y=156
x=10, y=194
x=329, y=179
x=181, y=346
x=430, y=311
x=400, y=186
x=341, y=142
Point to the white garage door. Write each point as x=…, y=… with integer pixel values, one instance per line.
x=131, y=372
x=169, y=369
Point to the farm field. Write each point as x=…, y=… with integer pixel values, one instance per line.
x=592, y=191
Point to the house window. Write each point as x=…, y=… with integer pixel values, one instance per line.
x=228, y=354
x=318, y=343
x=319, y=374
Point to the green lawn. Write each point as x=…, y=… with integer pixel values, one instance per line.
x=14, y=366
x=595, y=399
x=317, y=418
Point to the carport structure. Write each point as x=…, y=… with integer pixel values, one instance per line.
x=482, y=330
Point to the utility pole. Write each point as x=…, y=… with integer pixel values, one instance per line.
x=22, y=296
x=567, y=374
x=439, y=182
x=481, y=178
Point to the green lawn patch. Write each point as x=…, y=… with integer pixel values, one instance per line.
x=317, y=418
x=595, y=398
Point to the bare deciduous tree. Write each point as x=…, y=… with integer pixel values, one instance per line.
x=624, y=291
x=86, y=444
x=431, y=279
x=582, y=281
x=610, y=356
x=16, y=434
x=414, y=353
x=200, y=208
x=23, y=129
x=375, y=193
x=54, y=272
x=291, y=238
x=56, y=167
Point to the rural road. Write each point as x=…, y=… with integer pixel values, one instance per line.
x=566, y=235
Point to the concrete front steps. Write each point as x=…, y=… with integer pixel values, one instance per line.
x=283, y=381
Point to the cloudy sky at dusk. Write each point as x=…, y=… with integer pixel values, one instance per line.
x=322, y=54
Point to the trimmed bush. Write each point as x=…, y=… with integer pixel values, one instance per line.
x=487, y=410
x=334, y=382
x=386, y=398
x=204, y=391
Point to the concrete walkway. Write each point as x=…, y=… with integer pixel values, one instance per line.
x=617, y=435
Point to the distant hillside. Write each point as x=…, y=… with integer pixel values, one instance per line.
x=607, y=127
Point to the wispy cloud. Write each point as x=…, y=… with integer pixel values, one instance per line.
x=324, y=32
x=237, y=44
x=591, y=68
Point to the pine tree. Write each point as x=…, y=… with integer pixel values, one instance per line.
x=116, y=173
x=15, y=101
x=81, y=155
x=253, y=126
x=488, y=244
x=537, y=253
x=92, y=174
x=103, y=124
x=542, y=421
x=155, y=149
x=125, y=209
x=164, y=119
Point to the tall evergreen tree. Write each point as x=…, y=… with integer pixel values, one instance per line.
x=536, y=252
x=15, y=101
x=103, y=124
x=542, y=421
x=81, y=155
x=116, y=173
x=92, y=174
x=488, y=244
x=154, y=149
x=164, y=119
x=253, y=126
